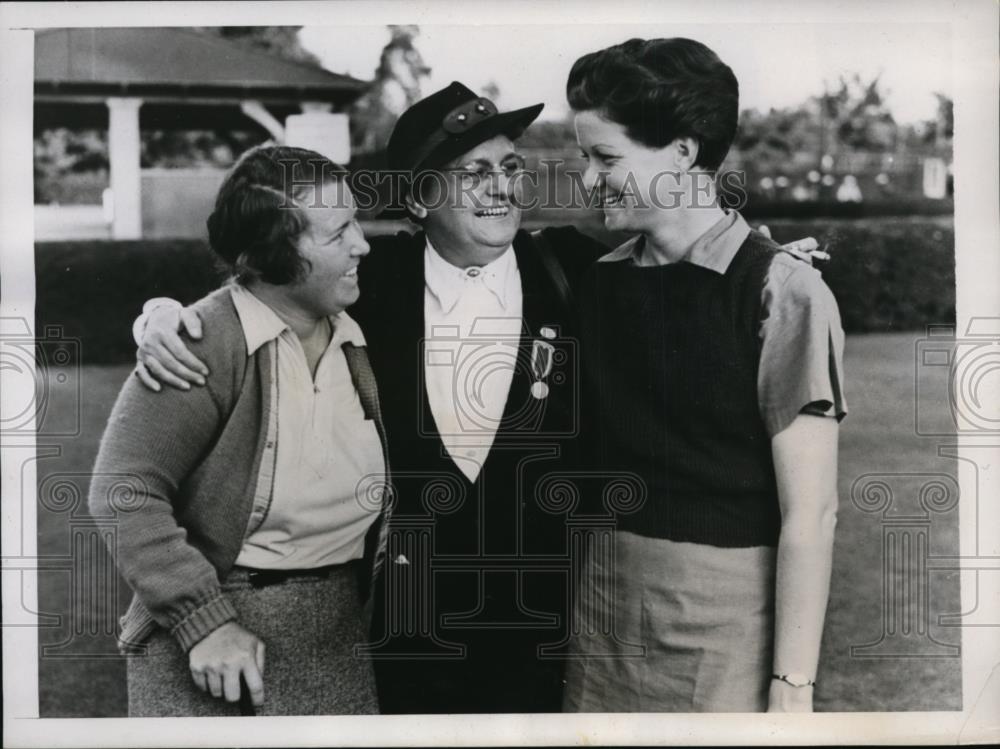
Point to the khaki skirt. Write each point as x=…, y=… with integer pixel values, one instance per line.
x=665, y=626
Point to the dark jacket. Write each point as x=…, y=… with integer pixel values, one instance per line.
x=500, y=582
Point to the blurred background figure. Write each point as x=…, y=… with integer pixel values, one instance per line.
x=849, y=192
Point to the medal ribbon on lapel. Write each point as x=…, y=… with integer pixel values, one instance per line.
x=541, y=366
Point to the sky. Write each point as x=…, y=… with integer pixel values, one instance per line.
x=778, y=65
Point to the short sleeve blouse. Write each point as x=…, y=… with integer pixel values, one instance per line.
x=802, y=346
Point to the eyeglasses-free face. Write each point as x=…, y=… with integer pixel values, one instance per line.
x=333, y=245
x=639, y=186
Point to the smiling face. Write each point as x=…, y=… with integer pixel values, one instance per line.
x=470, y=220
x=333, y=245
x=638, y=185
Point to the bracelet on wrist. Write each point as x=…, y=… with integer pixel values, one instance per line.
x=798, y=681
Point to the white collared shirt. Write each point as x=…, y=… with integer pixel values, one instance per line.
x=472, y=326
x=325, y=446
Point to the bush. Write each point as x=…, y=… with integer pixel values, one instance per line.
x=73, y=188
x=889, y=274
x=93, y=290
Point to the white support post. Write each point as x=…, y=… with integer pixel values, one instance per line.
x=123, y=151
x=259, y=114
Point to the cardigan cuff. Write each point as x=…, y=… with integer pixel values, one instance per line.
x=204, y=620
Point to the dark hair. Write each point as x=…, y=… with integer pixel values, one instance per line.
x=258, y=214
x=659, y=90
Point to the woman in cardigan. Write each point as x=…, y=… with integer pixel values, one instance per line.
x=713, y=367
x=255, y=494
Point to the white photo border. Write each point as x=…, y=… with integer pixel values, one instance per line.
x=977, y=232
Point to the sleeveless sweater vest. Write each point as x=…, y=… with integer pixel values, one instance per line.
x=671, y=355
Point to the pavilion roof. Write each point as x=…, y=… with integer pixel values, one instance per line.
x=175, y=62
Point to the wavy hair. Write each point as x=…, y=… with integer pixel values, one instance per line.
x=660, y=90
x=258, y=214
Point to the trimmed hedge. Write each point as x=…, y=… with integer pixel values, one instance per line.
x=94, y=289
x=888, y=274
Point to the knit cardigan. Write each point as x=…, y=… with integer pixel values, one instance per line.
x=175, y=479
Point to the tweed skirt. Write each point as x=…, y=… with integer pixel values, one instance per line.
x=309, y=627
x=665, y=626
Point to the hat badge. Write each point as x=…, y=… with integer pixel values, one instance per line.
x=467, y=114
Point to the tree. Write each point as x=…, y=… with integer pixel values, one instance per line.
x=396, y=87
x=946, y=115
x=855, y=116
x=942, y=128
x=492, y=92
x=852, y=117
x=774, y=136
x=281, y=41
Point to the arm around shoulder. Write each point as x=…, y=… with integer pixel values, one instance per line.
x=573, y=247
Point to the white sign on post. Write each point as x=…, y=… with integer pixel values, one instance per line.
x=323, y=132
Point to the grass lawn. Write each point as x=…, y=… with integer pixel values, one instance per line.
x=79, y=674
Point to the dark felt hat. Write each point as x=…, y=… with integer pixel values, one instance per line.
x=448, y=123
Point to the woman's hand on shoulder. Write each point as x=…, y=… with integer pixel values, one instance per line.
x=163, y=357
x=807, y=248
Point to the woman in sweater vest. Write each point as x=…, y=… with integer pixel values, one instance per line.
x=713, y=372
x=252, y=497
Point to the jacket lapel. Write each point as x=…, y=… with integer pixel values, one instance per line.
x=533, y=304
x=397, y=326
x=376, y=541
x=536, y=312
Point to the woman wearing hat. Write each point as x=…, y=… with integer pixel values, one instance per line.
x=245, y=538
x=713, y=364
x=462, y=318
